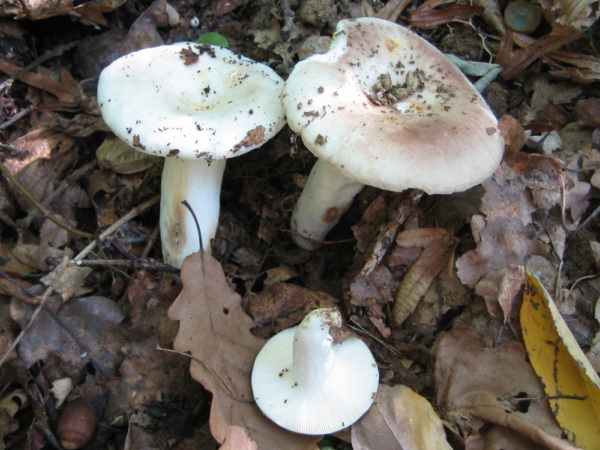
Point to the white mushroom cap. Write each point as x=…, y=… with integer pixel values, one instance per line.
x=305, y=383
x=191, y=101
x=388, y=109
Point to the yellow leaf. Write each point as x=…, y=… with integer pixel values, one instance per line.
x=568, y=377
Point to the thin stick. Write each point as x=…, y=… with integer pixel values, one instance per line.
x=47, y=214
x=45, y=296
x=115, y=226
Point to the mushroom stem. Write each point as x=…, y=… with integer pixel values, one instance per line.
x=198, y=182
x=326, y=196
x=313, y=356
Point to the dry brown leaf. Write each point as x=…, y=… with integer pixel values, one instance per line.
x=521, y=186
x=36, y=256
x=399, y=419
x=215, y=329
x=69, y=94
x=475, y=385
x=428, y=16
x=283, y=305
x=84, y=331
x=515, y=62
x=513, y=134
x=575, y=14
x=67, y=279
x=438, y=247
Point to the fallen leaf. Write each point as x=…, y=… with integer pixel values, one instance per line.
x=12, y=403
x=515, y=62
x=399, y=419
x=438, y=247
x=513, y=134
x=215, y=329
x=83, y=331
x=429, y=16
x=67, y=279
x=116, y=155
x=523, y=185
x=569, y=379
x=283, y=305
x=475, y=385
x=577, y=14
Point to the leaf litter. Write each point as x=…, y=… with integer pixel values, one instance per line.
x=82, y=220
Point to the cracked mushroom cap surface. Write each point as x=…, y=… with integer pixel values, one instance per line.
x=190, y=100
x=388, y=109
x=324, y=395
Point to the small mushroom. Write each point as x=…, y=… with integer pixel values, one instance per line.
x=308, y=384
x=384, y=107
x=197, y=105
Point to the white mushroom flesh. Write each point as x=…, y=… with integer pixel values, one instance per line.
x=308, y=384
x=191, y=102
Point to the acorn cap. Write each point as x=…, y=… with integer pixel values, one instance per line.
x=305, y=383
x=386, y=108
x=191, y=101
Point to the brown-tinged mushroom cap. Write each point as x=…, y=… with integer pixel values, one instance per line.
x=388, y=109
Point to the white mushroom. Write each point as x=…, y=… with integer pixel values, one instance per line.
x=384, y=107
x=197, y=105
x=308, y=384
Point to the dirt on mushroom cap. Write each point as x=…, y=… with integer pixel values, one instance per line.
x=389, y=110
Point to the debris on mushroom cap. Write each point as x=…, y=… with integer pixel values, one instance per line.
x=191, y=100
x=305, y=383
x=388, y=109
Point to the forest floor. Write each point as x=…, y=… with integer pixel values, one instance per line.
x=87, y=305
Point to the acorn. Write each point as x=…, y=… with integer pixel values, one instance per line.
x=522, y=16
x=76, y=424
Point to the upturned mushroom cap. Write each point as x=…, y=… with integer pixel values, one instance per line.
x=388, y=109
x=191, y=101
x=305, y=383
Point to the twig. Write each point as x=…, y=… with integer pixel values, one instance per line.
x=115, y=226
x=387, y=236
x=210, y=369
x=45, y=296
x=61, y=188
x=142, y=264
x=7, y=123
x=47, y=214
x=45, y=57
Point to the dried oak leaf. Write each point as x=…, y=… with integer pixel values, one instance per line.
x=399, y=419
x=83, y=331
x=475, y=385
x=521, y=186
x=216, y=331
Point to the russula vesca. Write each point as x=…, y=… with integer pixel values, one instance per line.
x=384, y=107
x=306, y=383
x=197, y=105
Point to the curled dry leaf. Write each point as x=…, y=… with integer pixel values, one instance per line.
x=283, y=305
x=438, y=247
x=83, y=331
x=216, y=331
x=569, y=380
x=523, y=184
x=573, y=14
x=399, y=419
x=475, y=385
x=67, y=279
